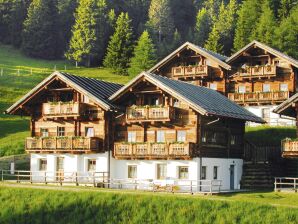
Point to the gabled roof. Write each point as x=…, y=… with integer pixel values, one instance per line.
x=271, y=50
x=220, y=59
x=286, y=107
x=97, y=90
x=203, y=100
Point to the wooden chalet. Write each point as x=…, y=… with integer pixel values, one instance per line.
x=162, y=118
x=69, y=114
x=289, y=108
x=195, y=64
x=261, y=75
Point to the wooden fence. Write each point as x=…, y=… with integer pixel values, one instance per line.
x=101, y=179
x=286, y=184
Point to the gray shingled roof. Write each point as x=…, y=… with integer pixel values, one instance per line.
x=97, y=90
x=201, y=99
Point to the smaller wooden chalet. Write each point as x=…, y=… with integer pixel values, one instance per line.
x=261, y=75
x=194, y=64
x=69, y=114
x=289, y=108
x=162, y=118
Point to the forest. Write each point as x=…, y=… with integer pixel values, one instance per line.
x=129, y=36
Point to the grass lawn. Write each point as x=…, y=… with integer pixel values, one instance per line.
x=73, y=205
x=14, y=84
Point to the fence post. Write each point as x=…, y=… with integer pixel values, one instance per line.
x=275, y=184
x=211, y=187
x=45, y=177
x=295, y=184
x=135, y=184
x=1, y=71
x=18, y=177
x=191, y=187
x=93, y=179
x=30, y=173
x=2, y=175
x=77, y=184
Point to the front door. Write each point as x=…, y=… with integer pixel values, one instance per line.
x=60, y=168
x=232, y=173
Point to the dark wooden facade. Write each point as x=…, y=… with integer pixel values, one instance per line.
x=154, y=124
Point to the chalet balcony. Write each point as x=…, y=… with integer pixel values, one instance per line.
x=63, y=144
x=62, y=109
x=190, y=71
x=258, y=71
x=149, y=113
x=259, y=97
x=147, y=150
x=289, y=148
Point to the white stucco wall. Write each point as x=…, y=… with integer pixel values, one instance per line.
x=146, y=169
x=274, y=120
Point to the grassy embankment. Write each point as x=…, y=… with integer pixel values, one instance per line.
x=104, y=206
x=14, y=84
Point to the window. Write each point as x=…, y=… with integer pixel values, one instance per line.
x=89, y=132
x=61, y=131
x=160, y=136
x=161, y=171
x=266, y=87
x=283, y=87
x=42, y=164
x=236, y=140
x=131, y=136
x=215, y=169
x=91, y=165
x=85, y=99
x=204, y=173
x=213, y=137
x=132, y=171
x=266, y=113
x=183, y=172
x=44, y=132
x=176, y=103
x=241, y=89
x=181, y=136
x=213, y=86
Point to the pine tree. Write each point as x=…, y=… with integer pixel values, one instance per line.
x=41, y=36
x=160, y=23
x=265, y=26
x=285, y=7
x=213, y=43
x=144, y=55
x=286, y=35
x=87, y=43
x=248, y=16
x=202, y=28
x=120, y=46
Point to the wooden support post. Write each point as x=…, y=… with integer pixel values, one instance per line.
x=2, y=175
x=77, y=183
x=191, y=187
x=30, y=173
x=18, y=176
x=135, y=184
x=93, y=179
x=45, y=177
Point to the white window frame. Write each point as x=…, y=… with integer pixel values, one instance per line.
x=160, y=136
x=89, y=165
x=204, y=173
x=181, y=136
x=266, y=87
x=185, y=175
x=161, y=171
x=134, y=174
x=213, y=86
x=131, y=136
x=44, y=132
x=284, y=87
x=89, y=132
x=40, y=165
x=241, y=89
x=215, y=172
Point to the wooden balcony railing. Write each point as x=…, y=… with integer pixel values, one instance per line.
x=258, y=71
x=147, y=150
x=187, y=71
x=63, y=144
x=62, y=109
x=259, y=97
x=289, y=148
x=147, y=113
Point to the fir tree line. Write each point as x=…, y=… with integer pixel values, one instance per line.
x=129, y=36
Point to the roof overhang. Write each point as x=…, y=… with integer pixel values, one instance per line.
x=188, y=45
x=288, y=107
x=54, y=76
x=272, y=51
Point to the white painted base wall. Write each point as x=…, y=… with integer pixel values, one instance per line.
x=273, y=120
x=146, y=169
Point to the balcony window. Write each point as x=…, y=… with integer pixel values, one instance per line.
x=43, y=164
x=131, y=136
x=61, y=131
x=241, y=89
x=181, y=136
x=44, y=132
x=160, y=136
x=266, y=87
x=215, y=169
x=204, y=173
x=132, y=171
x=183, y=172
x=283, y=87
x=213, y=86
x=91, y=165
x=89, y=132
x=161, y=171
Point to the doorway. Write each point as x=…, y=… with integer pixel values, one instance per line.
x=232, y=174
